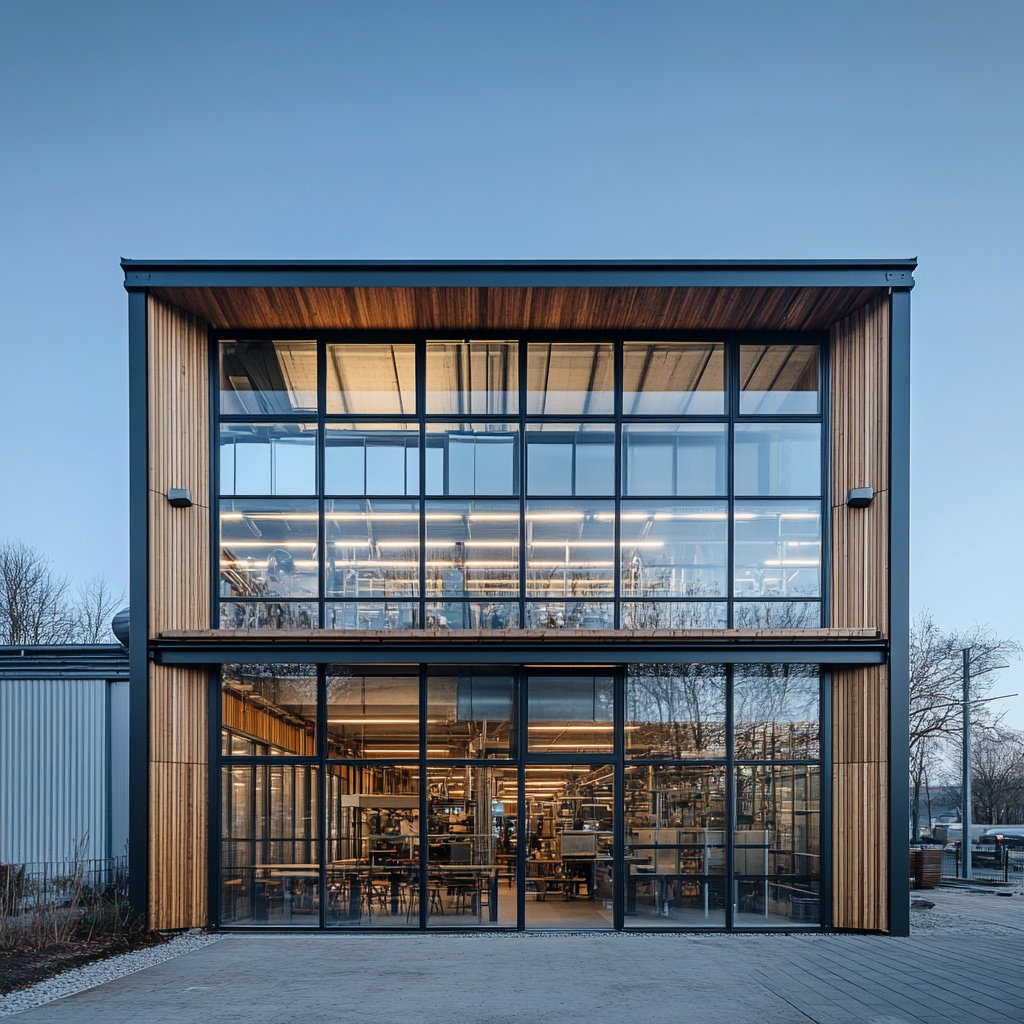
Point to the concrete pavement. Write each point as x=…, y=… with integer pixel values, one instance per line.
x=935, y=976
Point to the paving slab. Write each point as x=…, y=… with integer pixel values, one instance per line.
x=498, y=979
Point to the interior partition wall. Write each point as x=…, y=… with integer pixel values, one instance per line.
x=647, y=797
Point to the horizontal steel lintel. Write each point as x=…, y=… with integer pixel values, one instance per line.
x=548, y=654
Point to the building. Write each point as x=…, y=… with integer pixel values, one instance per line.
x=63, y=755
x=520, y=594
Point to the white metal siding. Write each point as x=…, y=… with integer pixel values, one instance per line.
x=118, y=793
x=53, y=768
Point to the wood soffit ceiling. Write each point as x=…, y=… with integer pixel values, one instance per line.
x=520, y=309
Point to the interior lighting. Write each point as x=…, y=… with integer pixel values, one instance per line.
x=570, y=728
x=792, y=561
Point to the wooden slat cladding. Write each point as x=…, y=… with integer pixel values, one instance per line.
x=520, y=309
x=179, y=588
x=178, y=827
x=860, y=599
x=859, y=862
x=179, y=456
x=178, y=714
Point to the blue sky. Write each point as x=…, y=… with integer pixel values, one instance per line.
x=516, y=130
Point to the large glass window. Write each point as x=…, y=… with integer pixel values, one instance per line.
x=571, y=713
x=372, y=715
x=674, y=550
x=778, y=379
x=676, y=829
x=673, y=378
x=570, y=458
x=573, y=378
x=347, y=802
x=569, y=831
x=675, y=711
x=472, y=549
x=267, y=377
x=674, y=459
x=373, y=548
x=547, y=482
x=372, y=458
x=367, y=379
x=373, y=847
x=472, y=458
x=478, y=378
x=268, y=458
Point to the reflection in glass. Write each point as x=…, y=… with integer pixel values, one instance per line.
x=268, y=458
x=778, y=459
x=776, y=615
x=776, y=850
x=373, y=847
x=571, y=713
x=570, y=874
x=570, y=615
x=269, y=615
x=269, y=549
x=469, y=714
x=372, y=458
x=673, y=378
x=570, y=379
x=268, y=710
x=570, y=458
x=473, y=615
x=674, y=459
x=373, y=548
x=675, y=824
x=264, y=378
x=471, y=826
x=472, y=458
x=777, y=549
x=372, y=615
x=674, y=615
x=675, y=711
x=269, y=864
x=472, y=548
x=372, y=714
x=775, y=710
x=473, y=378
x=778, y=379
x=678, y=550
x=570, y=549
x=371, y=379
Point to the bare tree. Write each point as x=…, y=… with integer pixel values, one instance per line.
x=35, y=604
x=95, y=605
x=936, y=690
x=997, y=776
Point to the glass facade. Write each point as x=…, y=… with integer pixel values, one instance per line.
x=554, y=483
x=648, y=797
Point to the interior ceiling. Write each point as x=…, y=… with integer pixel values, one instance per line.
x=520, y=309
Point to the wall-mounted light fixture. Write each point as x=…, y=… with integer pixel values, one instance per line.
x=860, y=497
x=180, y=497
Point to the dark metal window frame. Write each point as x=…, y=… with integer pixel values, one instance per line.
x=521, y=757
x=731, y=416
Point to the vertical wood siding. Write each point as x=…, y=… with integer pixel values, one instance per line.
x=860, y=598
x=179, y=587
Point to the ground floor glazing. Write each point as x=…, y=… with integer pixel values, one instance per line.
x=645, y=797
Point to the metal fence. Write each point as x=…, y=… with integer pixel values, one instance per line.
x=23, y=886
x=986, y=867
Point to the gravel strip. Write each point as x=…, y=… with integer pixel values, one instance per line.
x=81, y=978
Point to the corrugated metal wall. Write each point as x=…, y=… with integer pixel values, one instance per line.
x=63, y=768
x=117, y=696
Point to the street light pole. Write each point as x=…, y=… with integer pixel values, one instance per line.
x=965, y=817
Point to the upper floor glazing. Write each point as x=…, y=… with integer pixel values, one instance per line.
x=500, y=483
